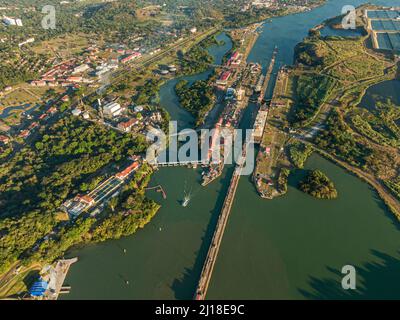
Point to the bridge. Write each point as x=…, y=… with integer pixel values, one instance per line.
x=213, y=250
x=181, y=163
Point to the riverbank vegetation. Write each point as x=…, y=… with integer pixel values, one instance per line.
x=337, y=139
x=196, y=60
x=326, y=67
x=299, y=153
x=198, y=98
x=283, y=180
x=39, y=178
x=378, y=123
x=318, y=185
x=363, y=136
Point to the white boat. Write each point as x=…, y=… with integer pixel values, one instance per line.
x=186, y=201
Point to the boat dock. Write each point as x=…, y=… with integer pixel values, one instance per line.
x=213, y=250
x=57, y=278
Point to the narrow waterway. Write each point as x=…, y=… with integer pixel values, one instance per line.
x=291, y=248
x=169, y=99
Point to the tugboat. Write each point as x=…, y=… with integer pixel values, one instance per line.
x=186, y=200
x=186, y=197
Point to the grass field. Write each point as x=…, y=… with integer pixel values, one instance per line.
x=64, y=46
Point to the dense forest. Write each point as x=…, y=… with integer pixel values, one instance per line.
x=338, y=140
x=67, y=158
x=197, y=98
x=299, y=153
x=311, y=92
x=318, y=185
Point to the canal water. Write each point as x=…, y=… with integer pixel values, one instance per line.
x=290, y=248
x=169, y=99
x=381, y=92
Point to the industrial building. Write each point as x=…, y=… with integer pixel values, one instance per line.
x=102, y=193
x=112, y=109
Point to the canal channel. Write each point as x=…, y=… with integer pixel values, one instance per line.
x=291, y=248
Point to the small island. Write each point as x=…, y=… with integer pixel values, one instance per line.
x=318, y=185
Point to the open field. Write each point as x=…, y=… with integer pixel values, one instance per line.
x=63, y=46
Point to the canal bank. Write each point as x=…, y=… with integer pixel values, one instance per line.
x=291, y=247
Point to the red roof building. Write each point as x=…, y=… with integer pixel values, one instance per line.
x=74, y=79
x=86, y=199
x=125, y=173
x=52, y=110
x=127, y=126
x=223, y=79
x=24, y=134
x=33, y=125
x=131, y=57
x=4, y=139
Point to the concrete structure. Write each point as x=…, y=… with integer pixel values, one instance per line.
x=259, y=125
x=223, y=79
x=112, y=109
x=213, y=250
x=30, y=40
x=384, y=27
x=81, y=68
x=240, y=94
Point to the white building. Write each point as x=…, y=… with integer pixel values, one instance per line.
x=12, y=22
x=76, y=112
x=81, y=68
x=112, y=109
x=30, y=40
x=138, y=108
x=8, y=21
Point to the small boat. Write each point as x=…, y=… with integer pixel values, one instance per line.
x=186, y=197
x=186, y=201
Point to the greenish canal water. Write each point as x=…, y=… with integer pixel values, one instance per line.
x=291, y=248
